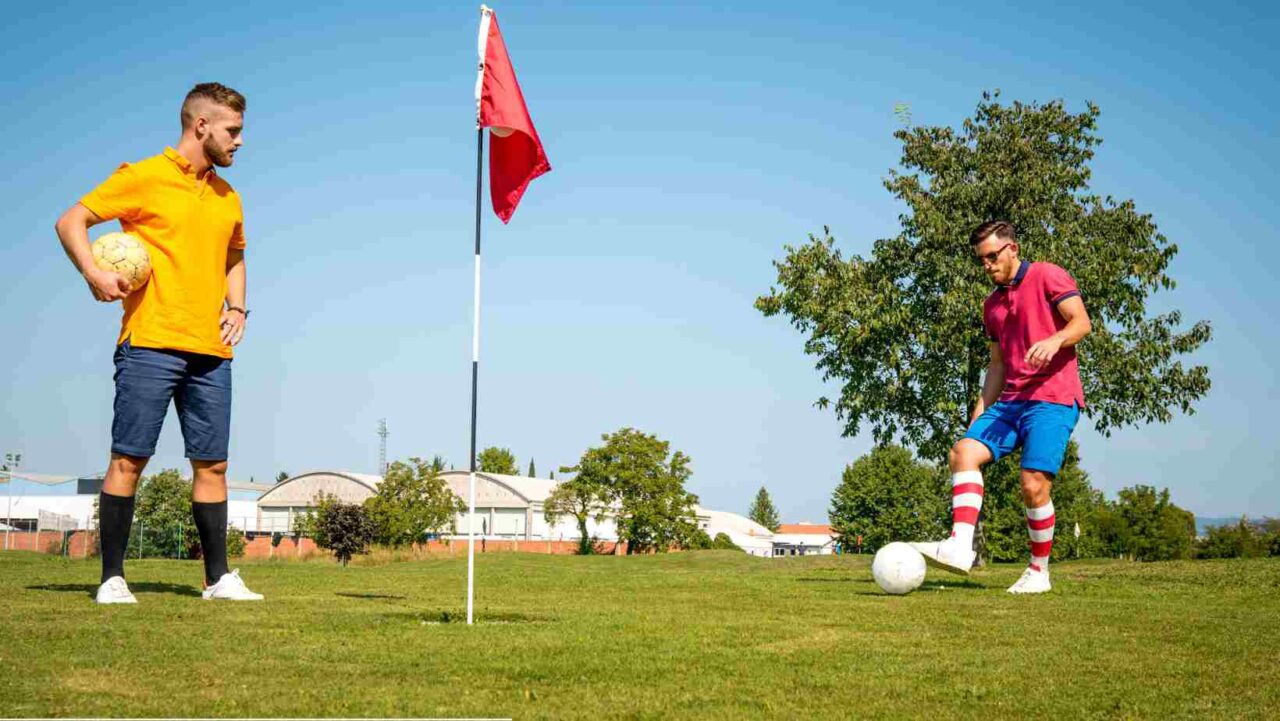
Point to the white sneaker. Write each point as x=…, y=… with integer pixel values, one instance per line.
x=949, y=555
x=115, y=590
x=1033, y=580
x=230, y=588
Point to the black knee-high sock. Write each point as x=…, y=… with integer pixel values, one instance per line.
x=115, y=518
x=211, y=522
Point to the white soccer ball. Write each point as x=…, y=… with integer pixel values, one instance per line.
x=124, y=254
x=898, y=568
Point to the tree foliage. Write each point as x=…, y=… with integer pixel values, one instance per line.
x=343, y=528
x=887, y=495
x=162, y=516
x=763, y=511
x=1144, y=525
x=1242, y=539
x=645, y=479
x=901, y=331
x=497, y=460
x=412, y=503
x=583, y=498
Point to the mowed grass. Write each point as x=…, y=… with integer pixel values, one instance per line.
x=684, y=635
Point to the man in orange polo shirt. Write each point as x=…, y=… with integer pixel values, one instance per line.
x=178, y=328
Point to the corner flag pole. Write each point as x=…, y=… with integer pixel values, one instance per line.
x=475, y=376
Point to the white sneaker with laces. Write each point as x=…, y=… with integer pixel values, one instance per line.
x=230, y=588
x=1033, y=580
x=115, y=590
x=949, y=555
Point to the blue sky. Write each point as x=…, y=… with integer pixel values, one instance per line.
x=689, y=144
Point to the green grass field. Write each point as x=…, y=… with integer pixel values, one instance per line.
x=684, y=635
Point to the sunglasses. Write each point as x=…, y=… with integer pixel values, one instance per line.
x=993, y=255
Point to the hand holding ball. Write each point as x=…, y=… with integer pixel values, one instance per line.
x=124, y=254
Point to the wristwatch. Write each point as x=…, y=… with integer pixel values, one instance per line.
x=243, y=312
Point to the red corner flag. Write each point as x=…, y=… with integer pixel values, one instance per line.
x=515, y=152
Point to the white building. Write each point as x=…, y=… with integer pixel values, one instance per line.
x=748, y=535
x=804, y=539
x=507, y=507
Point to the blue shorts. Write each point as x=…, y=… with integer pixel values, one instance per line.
x=1040, y=427
x=199, y=386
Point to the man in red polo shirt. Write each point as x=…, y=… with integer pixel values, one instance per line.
x=1031, y=398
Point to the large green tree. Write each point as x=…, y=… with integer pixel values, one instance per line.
x=583, y=498
x=412, y=502
x=641, y=474
x=887, y=495
x=763, y=511
x=496, y=460
x=900, y=331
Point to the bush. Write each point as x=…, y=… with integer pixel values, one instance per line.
x=1239, y=540
x=235, y=542
x=343, y=528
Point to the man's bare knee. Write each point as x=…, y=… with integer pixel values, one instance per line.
x=123, y=472
x=1035, y=487
x=967, y=455
x=209, y=481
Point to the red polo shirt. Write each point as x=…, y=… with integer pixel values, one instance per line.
x=1023, y=313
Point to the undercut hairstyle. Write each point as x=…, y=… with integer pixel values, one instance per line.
x=1001, y=229
x=216, y=93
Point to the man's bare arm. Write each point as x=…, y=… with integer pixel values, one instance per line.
x=73, y=231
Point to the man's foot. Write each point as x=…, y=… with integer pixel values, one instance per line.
x=230, y=588
x=949, y=555
x=115, y=590
x=1033, y=580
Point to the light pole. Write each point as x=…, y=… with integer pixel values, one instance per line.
x=11, y=461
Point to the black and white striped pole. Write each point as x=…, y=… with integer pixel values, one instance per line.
x=475, y=377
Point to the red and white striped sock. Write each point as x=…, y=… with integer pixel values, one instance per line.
x=1040, y=525
x=966, y=503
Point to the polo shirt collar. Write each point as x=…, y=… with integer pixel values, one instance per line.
x=1022, y=272
x=183, y=164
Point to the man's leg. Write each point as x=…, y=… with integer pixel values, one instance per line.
x=966, y=459
x=115, y=511
x=1046, y=429
x=1040, y=517
x=145, y=380
x=990, y=437
x=209, y=506
x=204, y=410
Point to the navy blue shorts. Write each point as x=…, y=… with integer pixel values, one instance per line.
x=199, y=386
x=1040, y=427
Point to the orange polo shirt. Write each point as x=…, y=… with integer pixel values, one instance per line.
x=187, y=225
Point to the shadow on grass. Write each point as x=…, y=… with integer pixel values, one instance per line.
x=459, y=617
x=938, y=586
x=91, y=589
x=369, y=596
x=848, y=579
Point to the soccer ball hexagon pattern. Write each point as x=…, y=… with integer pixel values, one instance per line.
x=124, y=254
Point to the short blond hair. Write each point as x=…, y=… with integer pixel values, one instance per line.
x=216, y=93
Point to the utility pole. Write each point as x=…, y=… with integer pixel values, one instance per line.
x=382, y=447
x=11, y=461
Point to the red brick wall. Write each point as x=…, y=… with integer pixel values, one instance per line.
x=84, y=543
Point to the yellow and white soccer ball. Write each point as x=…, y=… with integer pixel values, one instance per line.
x=124, y=254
